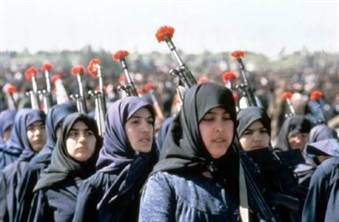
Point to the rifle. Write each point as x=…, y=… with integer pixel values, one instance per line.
x=245, y=87
x=183, y=76
x=256, y=200
x=286, y=96
x=30, y=74
x=94, y=69
x=129, y=87
x=78, y=71
x=47, y=94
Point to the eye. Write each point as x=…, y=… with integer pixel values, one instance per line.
x=248, y=132
x=89, y=133
x=73, y=134
x=208, y=118
x=150, y=121
x=264, y=131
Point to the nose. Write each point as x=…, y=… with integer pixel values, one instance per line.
x=220, y=127
x=82, y=137
x=146, y=127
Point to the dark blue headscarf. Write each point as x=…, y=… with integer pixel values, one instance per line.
x=55, y=117
x=18, y=144
x=6, y=121
x=62, y=164
x=116, y=152
x=294, y=124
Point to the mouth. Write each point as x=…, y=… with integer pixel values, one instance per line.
x=218, y=140
x=145, y=140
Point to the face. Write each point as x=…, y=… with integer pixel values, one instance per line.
x=216, y=129
x=297, y=140
x=255, y=137
x=36, y=135
x=139, y=129
x=6, y=134
x=81, y=142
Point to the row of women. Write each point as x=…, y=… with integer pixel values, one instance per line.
x=202, y=166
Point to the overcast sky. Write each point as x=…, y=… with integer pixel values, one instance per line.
x=264, y=26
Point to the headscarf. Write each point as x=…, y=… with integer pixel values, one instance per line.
x=54, y=120
x=117, y=152
x=18, y=143
x=323, y=141
x=294, y=124
x=184, y=150
x=117, y=156
x=321, y=132
x=62, y=164
x=6, y=121
x=249, y=115
x=327, y=147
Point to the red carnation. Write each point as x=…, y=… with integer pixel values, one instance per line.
x=228, y=76
x=316, y=94
x=55, y=77
x=148, y=86
x=237, y=54
x=77, y=69
x=119, y=55
x=46, y=67
x=92, y=68
x=30, y=72
x=286, y=95
x=164, y=32
x=9, y=88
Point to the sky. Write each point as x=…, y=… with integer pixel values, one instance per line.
x=263, y=26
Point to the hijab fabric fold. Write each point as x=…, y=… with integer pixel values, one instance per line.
x=62, y=164
x=183, y=149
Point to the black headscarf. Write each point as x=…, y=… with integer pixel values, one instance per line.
x=62, y=164
x=117, y=152
x=249, y=115
x=184, y=150
x=294, y=124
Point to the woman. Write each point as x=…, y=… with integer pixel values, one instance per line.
x=322, y=199
x=19, y=141
x=55, y=117
x=127, y=157
x=6, y=123
x=197, y=178
x=73, y=160
x=274, y=178
x=27, y=138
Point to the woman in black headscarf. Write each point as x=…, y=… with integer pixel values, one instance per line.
x=54, y=119
x=26, y=140
x=127, y=157
x=322, y=200
x=73, y=160
x=197, y=177
x=274, y=178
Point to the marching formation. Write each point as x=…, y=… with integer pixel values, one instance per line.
x=213, y=159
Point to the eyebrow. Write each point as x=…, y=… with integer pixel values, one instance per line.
x=140, y=117
x=77, y=129
x=258, y=128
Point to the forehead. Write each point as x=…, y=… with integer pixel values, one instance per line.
x=79, y=125
x=36, y=123
x=256, y=124
x=143, y=112
x=217, y=110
